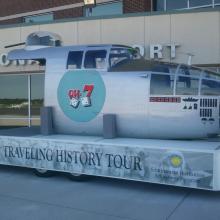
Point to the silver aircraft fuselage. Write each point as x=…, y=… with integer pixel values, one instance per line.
x=156, y=100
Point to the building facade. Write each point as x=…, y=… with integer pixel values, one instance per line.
x=168, y=30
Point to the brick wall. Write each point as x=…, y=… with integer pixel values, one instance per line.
x=133, y=6
x=11, y=21
x=21, y=6
x=69, y=13
x=12, y=7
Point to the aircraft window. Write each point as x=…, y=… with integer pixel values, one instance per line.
x=195, y=72
x=187, y=86
x=95, y=59
x=161, y=84
x=74, y=60
x=189, y=71
x=211, y=75
x=172, y=68
x=210, y=87
x=161, y=68
x=118, y=55
x=130, y=65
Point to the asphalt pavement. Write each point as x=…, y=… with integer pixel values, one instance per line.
x=28, y=197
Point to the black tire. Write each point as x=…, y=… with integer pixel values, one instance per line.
x=43, y=173
x=77, y=177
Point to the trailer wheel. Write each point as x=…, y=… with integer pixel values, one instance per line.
x=42, y=173
x=76, y=177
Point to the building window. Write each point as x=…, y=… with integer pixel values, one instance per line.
x=163, y=5
x=113, y=8
x=39, y=18
x=198, y=3
x=21, y=97
x=13, y=100
x=176, y=4
x=159, y=5
x=37, y=97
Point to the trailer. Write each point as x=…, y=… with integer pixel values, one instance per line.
x=190, y=163
x=108, y=112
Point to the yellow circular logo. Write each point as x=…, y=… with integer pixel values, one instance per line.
x=176, y=161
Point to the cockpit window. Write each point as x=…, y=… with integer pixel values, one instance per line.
x=186, y=85
x=118, y=55
x=172, y=68
x=74, y=60
x=161, y=68
x=95, y=59
x=210, y=87
x=136, y=64
x=161, y=84
x=211, y=75
x=189, y=71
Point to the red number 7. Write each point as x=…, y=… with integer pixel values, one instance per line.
x=89, y=89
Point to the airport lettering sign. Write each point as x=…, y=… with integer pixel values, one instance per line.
x=5, y=62
x=157, y=50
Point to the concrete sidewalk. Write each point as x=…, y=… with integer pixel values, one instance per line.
x=25, y=196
